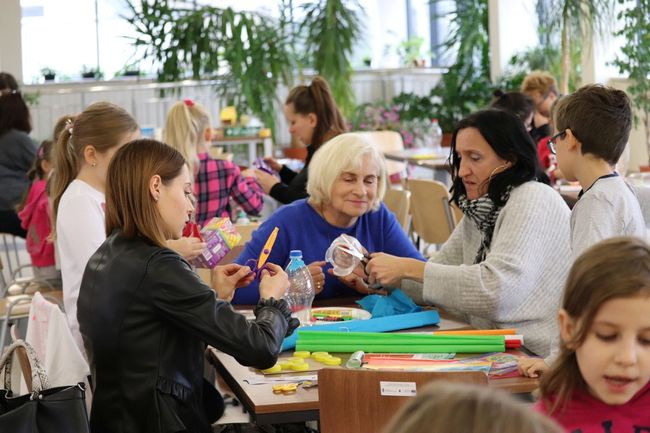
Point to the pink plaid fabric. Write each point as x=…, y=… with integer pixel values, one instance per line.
x=216, y=182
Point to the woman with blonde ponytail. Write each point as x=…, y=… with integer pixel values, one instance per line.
x=188, y=129
x=313, y=118
x=81, y=158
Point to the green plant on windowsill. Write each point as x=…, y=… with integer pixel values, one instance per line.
x=411, y=53
x=91, y=72
x=48, y=74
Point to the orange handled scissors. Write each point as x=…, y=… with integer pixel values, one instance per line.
x=268, y=246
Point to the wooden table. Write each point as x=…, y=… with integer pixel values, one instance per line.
x=425, y=158
x=265, y=407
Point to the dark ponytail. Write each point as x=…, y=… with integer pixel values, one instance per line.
x=317, y=98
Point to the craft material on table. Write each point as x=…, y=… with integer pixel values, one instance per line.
x=220, y=237
x=343, y=314
x=302, y=361
x=398, y=343
x=381, y=324
x=396, y=303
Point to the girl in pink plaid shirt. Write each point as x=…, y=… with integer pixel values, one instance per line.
x=188, y=129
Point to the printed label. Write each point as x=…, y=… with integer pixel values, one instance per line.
x=399, y=389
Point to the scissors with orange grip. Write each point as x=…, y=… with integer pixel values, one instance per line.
x=260, y=264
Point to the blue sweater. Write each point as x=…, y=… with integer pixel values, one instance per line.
x=302, y=228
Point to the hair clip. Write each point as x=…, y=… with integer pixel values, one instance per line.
x=41, y=152
x=68, y=126
x=188, y=102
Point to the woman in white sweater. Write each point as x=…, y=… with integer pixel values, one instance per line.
x=506, y=262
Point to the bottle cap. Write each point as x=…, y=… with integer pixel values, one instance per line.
x=295, y=254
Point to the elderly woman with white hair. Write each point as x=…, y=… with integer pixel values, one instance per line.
x=346, y=185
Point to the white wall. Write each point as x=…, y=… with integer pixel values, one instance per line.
x=10, y=41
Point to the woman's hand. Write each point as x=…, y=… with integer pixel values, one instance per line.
x=389, y=270
x=356, y=281
x=275, y=165
x=317, y=275
x=532, y=367
x=274, y=282
x=225, y=279
x=266, y=181
x=249, y=172
x=188, y=247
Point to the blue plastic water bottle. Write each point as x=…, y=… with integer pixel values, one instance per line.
x=301, y=292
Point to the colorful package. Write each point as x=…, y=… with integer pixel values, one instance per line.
x=220, y=236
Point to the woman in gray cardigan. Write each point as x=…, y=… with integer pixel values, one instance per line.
x=506, y=262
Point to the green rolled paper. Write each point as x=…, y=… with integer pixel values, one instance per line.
x=391, y=348
x=321, y=337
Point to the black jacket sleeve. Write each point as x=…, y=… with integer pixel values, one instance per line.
x=181, y=296
x=295, y=190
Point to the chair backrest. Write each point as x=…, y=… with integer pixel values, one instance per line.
x=13, y=255
x=433, y=218
x=388, y=141
x=398, y=201
x=363, y=401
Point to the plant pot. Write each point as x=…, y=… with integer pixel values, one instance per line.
x=131, y=73
x=88, y=75
x=49, y=77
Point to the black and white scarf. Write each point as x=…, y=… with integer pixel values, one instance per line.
x=483, y=212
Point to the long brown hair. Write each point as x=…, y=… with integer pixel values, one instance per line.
x=101, y=125
x=44, y=153
x=615, y=268
x=317, y=98
x=442, y=407
x=129, y=204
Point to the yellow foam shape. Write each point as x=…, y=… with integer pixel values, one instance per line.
x=322, y=358
x=286, y=365
x=301, y=354
x=332, y=361
x=297, y=366
x=275, y=369
x=317, y=354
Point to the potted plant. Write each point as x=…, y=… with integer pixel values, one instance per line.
x=90, y=72
x=466, y=85
x=330, y=29
x=635, y=62
x=410, y=52
x=48, y=74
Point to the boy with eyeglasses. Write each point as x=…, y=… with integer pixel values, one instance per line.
x=593, y=125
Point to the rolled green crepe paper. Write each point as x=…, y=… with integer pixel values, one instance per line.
x=391, y=348
x=398, y=338
x=404, y=342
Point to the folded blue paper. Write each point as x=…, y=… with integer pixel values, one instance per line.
x=396, y=303
x=380, y=324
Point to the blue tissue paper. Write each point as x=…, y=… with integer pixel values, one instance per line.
x=395, y=303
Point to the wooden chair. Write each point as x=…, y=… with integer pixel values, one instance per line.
x=398, y=201
x=433, y=217
x=388, y=141
x=357, y=401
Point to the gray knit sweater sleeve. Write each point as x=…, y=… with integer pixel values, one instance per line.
x=520, y=282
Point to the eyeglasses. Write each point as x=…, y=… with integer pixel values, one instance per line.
x=552, y=141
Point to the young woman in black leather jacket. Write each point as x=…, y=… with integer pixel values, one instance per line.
x=146, y=317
